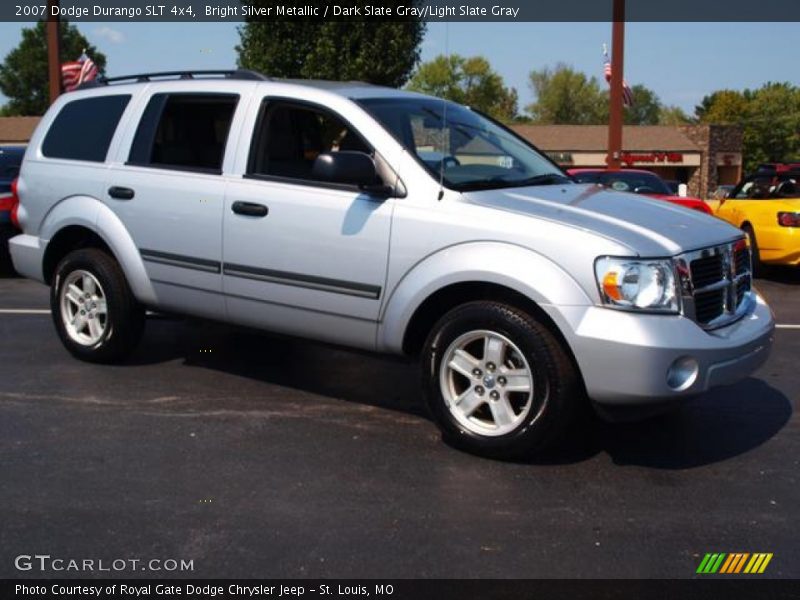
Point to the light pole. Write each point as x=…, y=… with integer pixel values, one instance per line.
x=614, y=158
x=53, y=50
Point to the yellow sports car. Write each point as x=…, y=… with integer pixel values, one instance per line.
x=766, y=206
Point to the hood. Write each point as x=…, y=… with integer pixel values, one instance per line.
x=647, y=226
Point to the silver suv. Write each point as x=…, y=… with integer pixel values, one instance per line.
x=387, y=221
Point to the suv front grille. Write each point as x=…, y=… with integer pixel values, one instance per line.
x=715, y=282
x=742, y=259
x=707, y=270
x=709, y=305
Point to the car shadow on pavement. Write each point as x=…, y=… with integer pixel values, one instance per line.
x=780, y=274
x=312, y=367
x=722, y=424
x=717, y=426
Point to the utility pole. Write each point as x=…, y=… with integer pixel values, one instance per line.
x=615, y=101
x=53, y=50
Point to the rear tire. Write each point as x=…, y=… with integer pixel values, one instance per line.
x=758, y=267
x=498, y=381
x=95, y=314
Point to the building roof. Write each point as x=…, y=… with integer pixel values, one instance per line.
x=17, y=130
x=594, y=138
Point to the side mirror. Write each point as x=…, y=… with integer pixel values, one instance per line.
x=349, y=167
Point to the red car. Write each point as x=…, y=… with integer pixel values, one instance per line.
x=638, y=182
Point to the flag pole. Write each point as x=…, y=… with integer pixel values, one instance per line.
x=615, y=100
x=53, y=51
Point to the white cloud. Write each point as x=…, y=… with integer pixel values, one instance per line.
x=109, y=34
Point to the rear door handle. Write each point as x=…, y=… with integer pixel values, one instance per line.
x=250, y=209
x=120, y=193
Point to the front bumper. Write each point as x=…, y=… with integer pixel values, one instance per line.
x=628, y=359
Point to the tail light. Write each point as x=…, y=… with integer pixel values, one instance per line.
x=789, y=219
x=15, y=203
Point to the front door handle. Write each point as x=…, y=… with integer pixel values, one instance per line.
x=250, y=209
x=120, y=193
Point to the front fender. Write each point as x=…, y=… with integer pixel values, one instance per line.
x=88, y=212
x=508, y=265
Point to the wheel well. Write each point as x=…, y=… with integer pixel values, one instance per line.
x=445, y=299
x=65, y=241
x=748, y=225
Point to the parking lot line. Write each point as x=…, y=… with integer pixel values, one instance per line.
x=780, y=326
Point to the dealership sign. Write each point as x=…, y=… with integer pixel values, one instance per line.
x=629, y=158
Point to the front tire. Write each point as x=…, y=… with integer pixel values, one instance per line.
x=95, y=314
x=498, y=381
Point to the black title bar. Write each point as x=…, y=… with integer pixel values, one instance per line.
x=427, y=10
x=733, y=588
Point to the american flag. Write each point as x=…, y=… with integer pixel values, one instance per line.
x=627, y=92
x=77, y=72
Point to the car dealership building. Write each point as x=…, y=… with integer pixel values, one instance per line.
x=17, y=130
x=702, y=156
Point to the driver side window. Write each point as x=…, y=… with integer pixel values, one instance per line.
x=290, y=136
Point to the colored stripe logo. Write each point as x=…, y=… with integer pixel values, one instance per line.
x=734, y=563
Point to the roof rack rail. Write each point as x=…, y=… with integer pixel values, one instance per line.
x=238, y=74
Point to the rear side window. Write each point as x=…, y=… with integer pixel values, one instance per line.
x=184, y=132
x=83, y=129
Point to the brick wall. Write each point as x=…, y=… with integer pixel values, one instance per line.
x=711, y=139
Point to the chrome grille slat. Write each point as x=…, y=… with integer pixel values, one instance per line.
x=715, y=282
x=712, y=287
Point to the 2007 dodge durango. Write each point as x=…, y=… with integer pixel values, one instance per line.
x=388, y=221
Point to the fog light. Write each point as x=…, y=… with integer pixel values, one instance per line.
x=682, y=373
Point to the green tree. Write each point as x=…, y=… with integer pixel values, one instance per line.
x=772, y=133
x=645, y=110
x=724, y=107
x=673, y=115
x=24, y=75
x=384, y=52
x=769, y=117
x=469, y=81
x=565, y=96
x=646, y=107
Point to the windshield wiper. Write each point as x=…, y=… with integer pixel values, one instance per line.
x=496, y=183
x=544, y=179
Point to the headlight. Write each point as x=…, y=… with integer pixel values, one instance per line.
x=637, y=284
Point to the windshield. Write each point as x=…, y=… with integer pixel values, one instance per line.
x=624, y=181
x=469, y=151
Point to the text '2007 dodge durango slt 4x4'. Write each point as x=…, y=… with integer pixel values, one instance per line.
x=388, y=221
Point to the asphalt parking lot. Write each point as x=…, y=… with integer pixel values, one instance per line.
x=256, y=456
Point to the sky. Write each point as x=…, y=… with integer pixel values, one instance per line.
x=681, y=62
